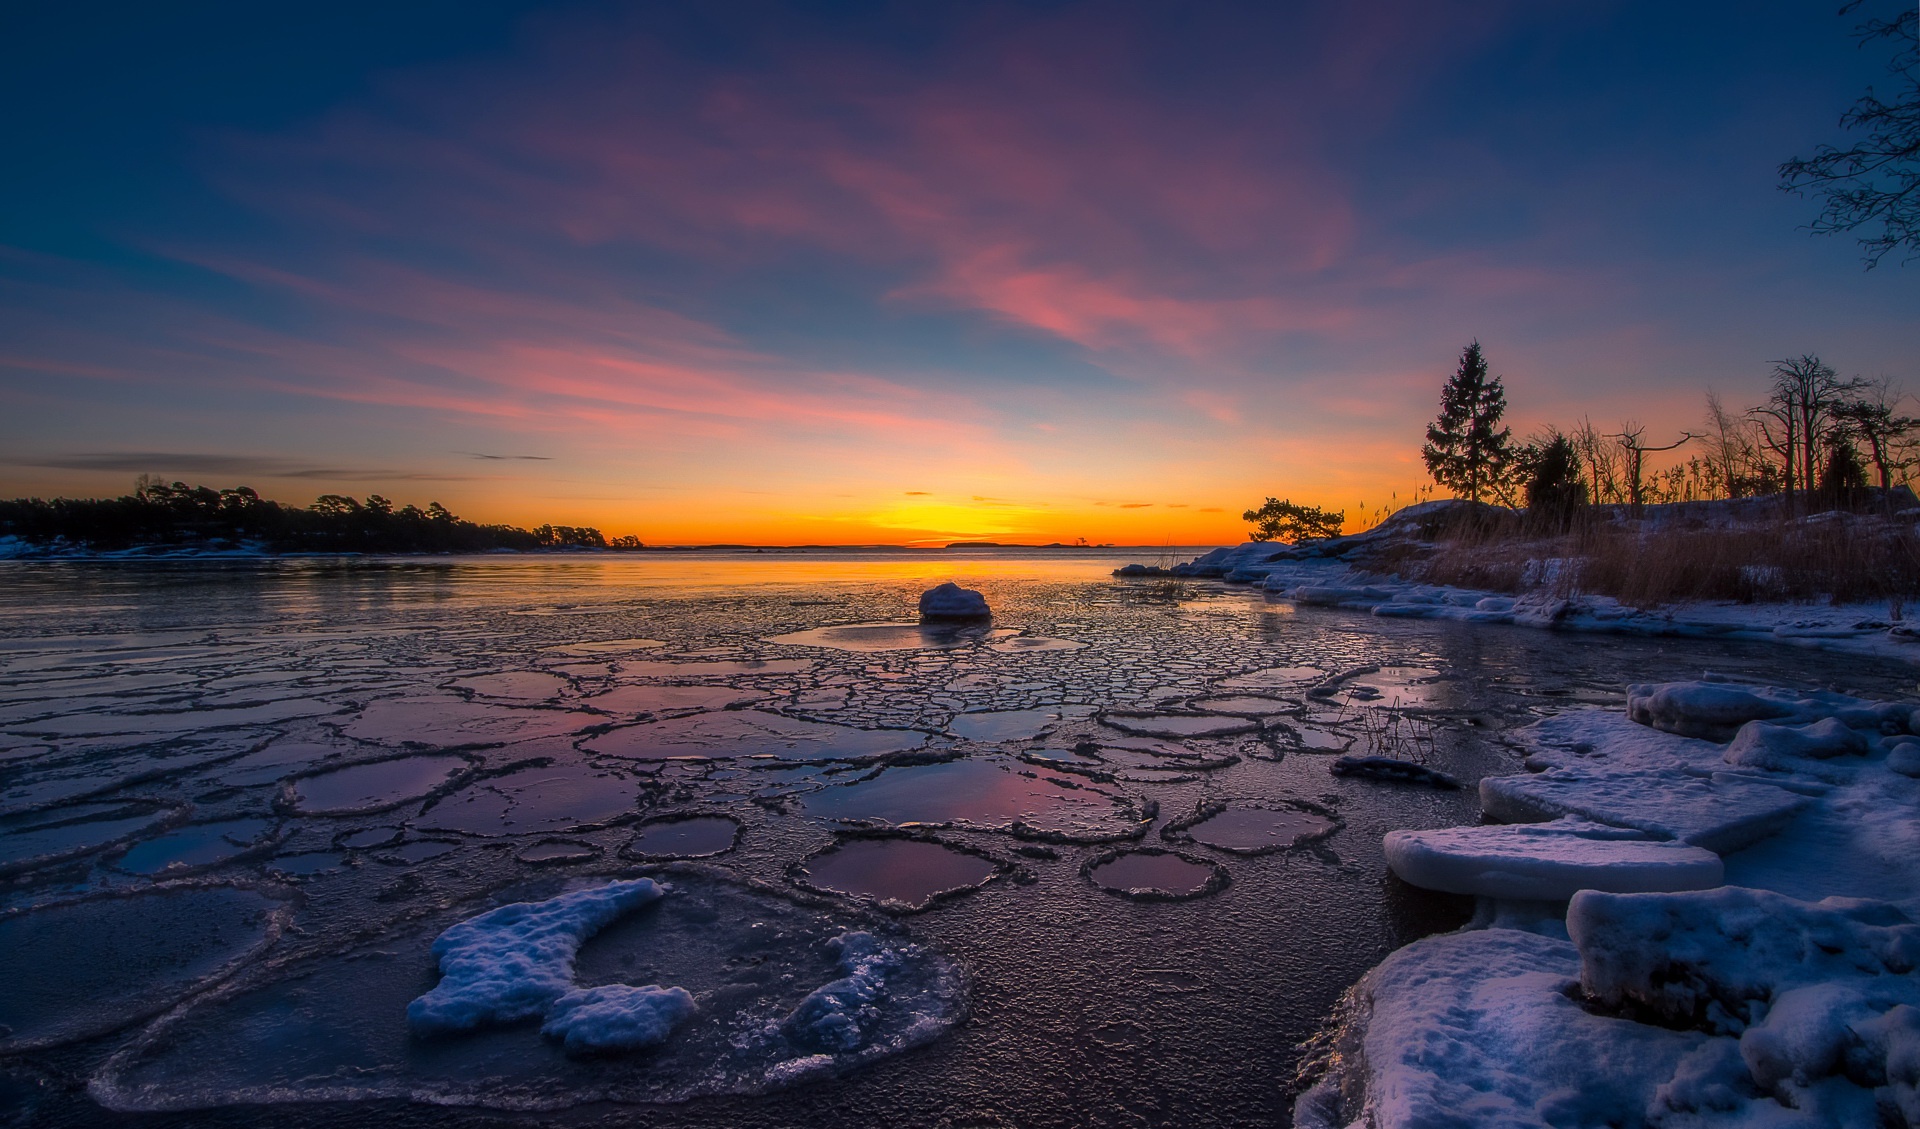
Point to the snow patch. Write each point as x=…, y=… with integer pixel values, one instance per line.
x=616, y=1017
x=835, y=1016
x=514, y=962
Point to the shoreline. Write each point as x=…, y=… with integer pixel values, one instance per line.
x=1339, y=574
x=1608, y=979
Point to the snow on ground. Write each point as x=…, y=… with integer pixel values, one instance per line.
x=1333, y=574
x=1787, y=997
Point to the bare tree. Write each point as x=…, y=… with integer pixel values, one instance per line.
x=1797, y=421
x=1629, y=437
x=1874, y=185
x=1601, y=459
x=1727, y=445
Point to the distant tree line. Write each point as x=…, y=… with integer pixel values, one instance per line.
x=1816, y=442
x=175, y=515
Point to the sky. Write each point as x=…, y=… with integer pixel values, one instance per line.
x=897, y=273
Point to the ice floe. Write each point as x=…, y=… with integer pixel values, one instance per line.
x=717, y=988
x=751, y=733
x=684, y=837
x=372, y=785
x=986, y=794
x=1252, y=827
x=42, y=838
x=82, y=967
x=538, y=798
x=1548, y=861
x=896, y=872
x=1147, y=874
x=199, y=846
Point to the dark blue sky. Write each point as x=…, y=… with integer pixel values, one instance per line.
x=883, y=271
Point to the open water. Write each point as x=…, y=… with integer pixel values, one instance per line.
x=238, y=801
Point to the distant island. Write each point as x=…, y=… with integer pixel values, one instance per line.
x=177, y=518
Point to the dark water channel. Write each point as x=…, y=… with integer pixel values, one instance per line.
x=268, y=772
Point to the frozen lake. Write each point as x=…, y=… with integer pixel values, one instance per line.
x=1096, y=842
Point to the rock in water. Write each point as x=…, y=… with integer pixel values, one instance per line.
x=1393, y=771
x=950, y=601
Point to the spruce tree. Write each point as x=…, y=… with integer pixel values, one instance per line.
x=1467, y=451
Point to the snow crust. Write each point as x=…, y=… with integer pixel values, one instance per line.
x=1547, y=861
x=1788, y=998
x=616, y=1017
x=515, y=962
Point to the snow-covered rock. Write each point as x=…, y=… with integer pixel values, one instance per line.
x=1718, y=958
x=514, y=962
x=1547, y=861
x=1393, y=771
x=950, y=601
x=1815, y=1003
x=1478, y=1030
x=1716, y=709
x=1713, y=710
x=1782, y=748
x=616, y=1017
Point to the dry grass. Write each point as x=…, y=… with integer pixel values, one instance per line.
x=1839, y=558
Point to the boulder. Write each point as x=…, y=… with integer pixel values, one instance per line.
x=950, y=601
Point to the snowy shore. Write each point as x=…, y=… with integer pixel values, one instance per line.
x=1610, y=978
x=1336, y=574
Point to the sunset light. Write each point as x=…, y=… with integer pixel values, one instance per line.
x=700, y=277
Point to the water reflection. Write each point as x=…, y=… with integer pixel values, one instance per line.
x=905, y=873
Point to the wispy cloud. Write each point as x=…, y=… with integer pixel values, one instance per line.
x=262, y=466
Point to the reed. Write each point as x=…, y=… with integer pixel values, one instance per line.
x=1837, y=557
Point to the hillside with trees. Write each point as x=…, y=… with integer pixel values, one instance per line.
x=1803, y=495
x=180, y=518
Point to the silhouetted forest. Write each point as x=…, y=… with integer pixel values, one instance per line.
x=181, y=517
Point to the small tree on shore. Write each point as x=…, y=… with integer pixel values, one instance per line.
x=1871, y=418
x=1555, y=490
x=1467, y=451
x=1284, y=521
